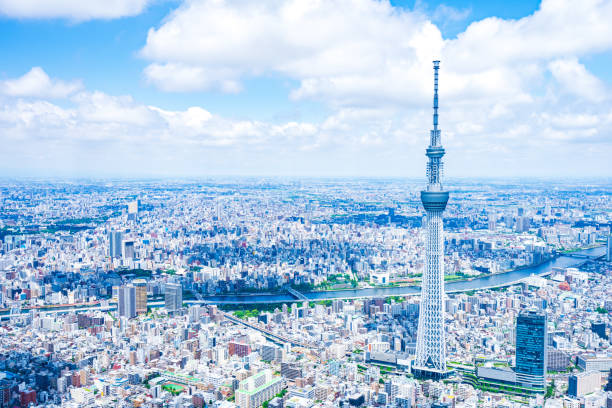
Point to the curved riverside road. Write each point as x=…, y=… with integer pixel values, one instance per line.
x=491, y=281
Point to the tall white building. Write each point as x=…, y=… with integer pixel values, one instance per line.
x=430, y=358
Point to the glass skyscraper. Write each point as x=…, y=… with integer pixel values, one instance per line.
x=531, y=344
x=173, y=296
x=126, y=301
x=115, y=240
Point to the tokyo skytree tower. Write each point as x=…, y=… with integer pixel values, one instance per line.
x=430, y=358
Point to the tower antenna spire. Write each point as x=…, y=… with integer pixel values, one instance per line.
x=435, y=99
x=435, y=151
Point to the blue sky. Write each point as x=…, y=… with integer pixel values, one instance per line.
x=276, y=90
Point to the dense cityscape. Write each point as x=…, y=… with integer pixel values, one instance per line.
x=297, y=293
x=225, y=204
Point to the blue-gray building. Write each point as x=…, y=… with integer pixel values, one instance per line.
x=531, y=344
x=126, y=301
x=115, y=240
x=173, y=297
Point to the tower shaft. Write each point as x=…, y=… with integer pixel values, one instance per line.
x=430, y=358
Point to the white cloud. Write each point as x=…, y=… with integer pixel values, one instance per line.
x=36, y=83
x=366, y=52
x=98, y=107
x=184, y=78
x=557, y=29
x=76, y=10
x=576, y=80
x=338, y=50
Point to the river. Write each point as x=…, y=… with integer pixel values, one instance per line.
x=497, y=280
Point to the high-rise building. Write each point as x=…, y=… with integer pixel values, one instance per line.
x=115, y=240
x=599, y=328
x=173, y=297
x=141, y=295
x=609, y=252
x=195, y=312
x=126, y=301
x=128, y=250
x=430, y=358
x=133, y=208
x=531, y=344
x=583, y=383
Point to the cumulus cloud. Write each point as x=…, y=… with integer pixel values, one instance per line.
x=557, y=29
x=366, y=52
x=339, y=49
x=178, y=77
x=576, y=80
x=76, y=10
x=36, y=83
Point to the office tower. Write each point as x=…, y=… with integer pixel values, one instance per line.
x=195, y=312
x=609, y=252
x=583, y=383
x=531, y=343
x=599, y=328
x=128, y=250
x=173, y=297
x=126, y=301
x=141, y=295
x=115, y=240
x=133, y=208
x=430, y=358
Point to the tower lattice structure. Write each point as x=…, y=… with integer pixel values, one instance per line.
x=430, y=358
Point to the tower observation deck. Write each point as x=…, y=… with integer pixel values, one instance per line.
x=430, y=361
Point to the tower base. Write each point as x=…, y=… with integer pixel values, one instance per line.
x=426, y=373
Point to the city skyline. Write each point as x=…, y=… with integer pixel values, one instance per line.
x=136, y=89
x=305, y=294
